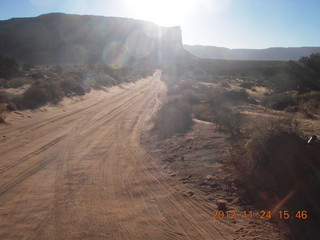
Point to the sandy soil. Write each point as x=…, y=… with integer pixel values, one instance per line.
x=77, y=171
x=199, y=164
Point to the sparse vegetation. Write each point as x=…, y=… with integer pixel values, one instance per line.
x=240, y=95
x=72, y=87
x=247, y=84
x=49, y=84
x=270, y=157
x=309, y=102
x=175, y=116
x=16, y=82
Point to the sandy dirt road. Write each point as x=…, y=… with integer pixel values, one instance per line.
x=80, y=173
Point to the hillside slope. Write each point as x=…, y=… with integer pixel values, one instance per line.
x=269, y=54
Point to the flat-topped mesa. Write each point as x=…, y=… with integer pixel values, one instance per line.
x=172, y=43
x=64, y=38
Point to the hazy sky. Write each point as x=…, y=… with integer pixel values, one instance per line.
x=223, y=23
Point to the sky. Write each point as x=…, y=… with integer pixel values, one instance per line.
x=252, y=24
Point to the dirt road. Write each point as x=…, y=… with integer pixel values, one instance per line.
x=79, y=173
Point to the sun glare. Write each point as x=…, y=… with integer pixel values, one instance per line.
x=162, y=12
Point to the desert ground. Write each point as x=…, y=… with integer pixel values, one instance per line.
x=77, y=171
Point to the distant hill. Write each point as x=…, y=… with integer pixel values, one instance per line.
x=269, y=54
x=63, y=38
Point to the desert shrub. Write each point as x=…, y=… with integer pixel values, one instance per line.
x=313, y=95
x=35, y=97
x=11, y=106
x=278, y=170
x=72, y=87
x=58, y=69
x=304, y=75
x=4, y=97
x=227, y=119
x=54, y=91
x=2, y=113
x=309, y=103
x=176, y=87
x=201, y=112
x=191, y=96
x=246, y=84
x=175, y=116
x=255, y=146
x=16, y=82
x=253, y=156
x=26, y=67
x=279, y=101
x=225, y=84
x=18, y=101
x=173, y=90
x=215, y=96
x=103, y=80
x=237, y=95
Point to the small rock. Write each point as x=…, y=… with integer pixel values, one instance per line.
x=190, y=193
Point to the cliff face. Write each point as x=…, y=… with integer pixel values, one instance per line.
x=63, y=38
x=269, y=54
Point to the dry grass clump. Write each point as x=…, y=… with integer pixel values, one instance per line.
x=309, y=103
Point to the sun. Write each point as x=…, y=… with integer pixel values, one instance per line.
x=162, y=12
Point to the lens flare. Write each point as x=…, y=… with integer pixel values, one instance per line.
x=114, y=54
x=139, y=44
